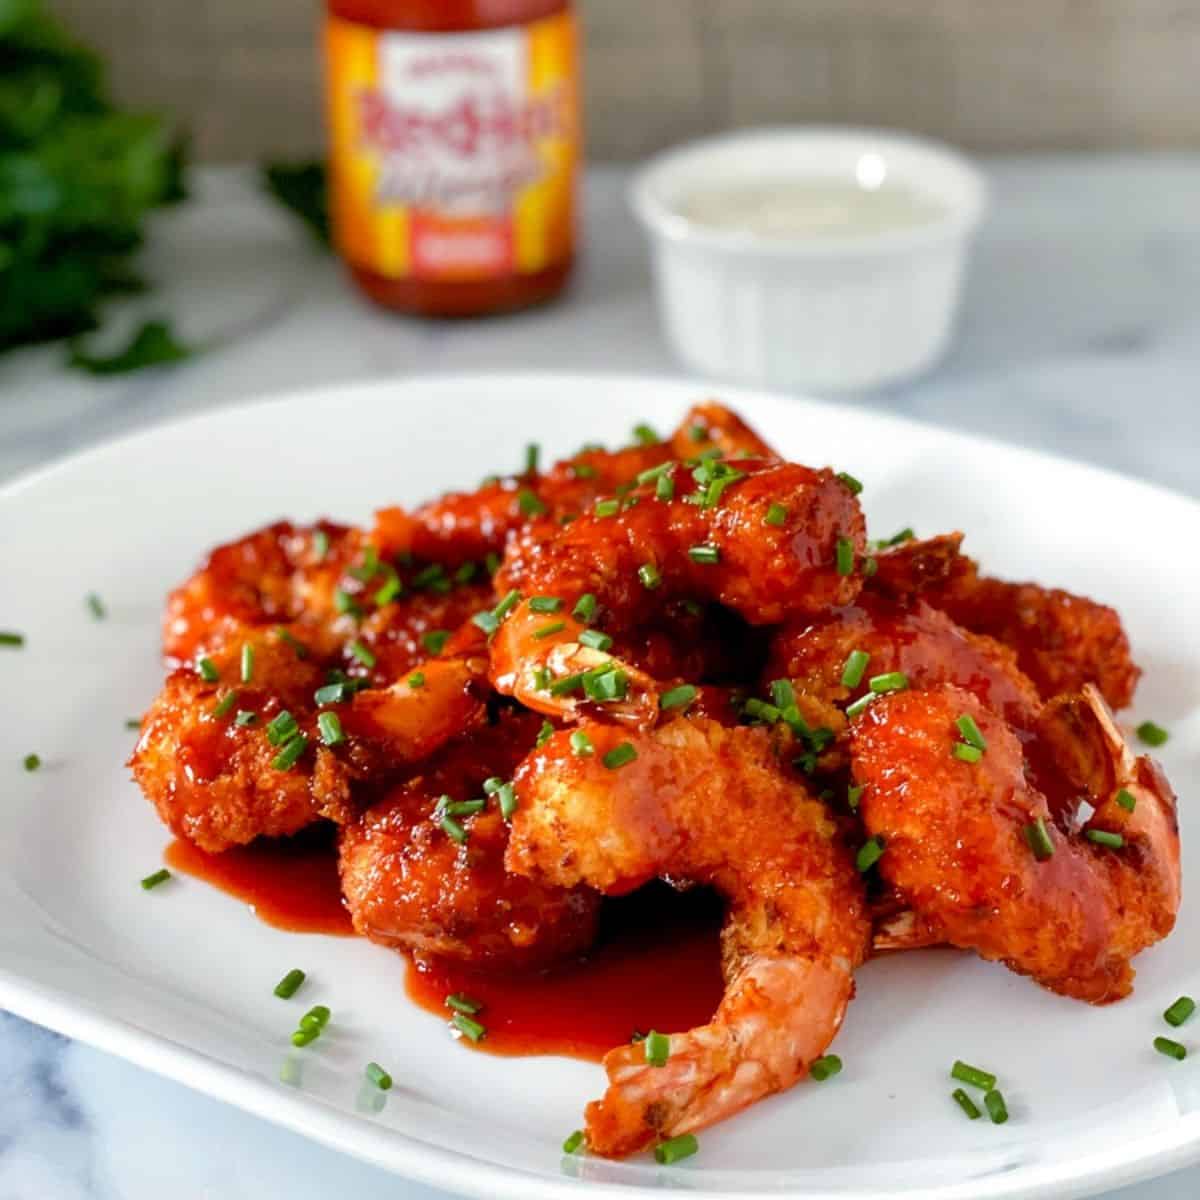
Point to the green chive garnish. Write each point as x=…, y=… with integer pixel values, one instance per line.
x=585, y=607
x=428, y=576
x=223, y=705
x=452, y=829
x=466, y=572
x=463, y=1004
x=96, y=606
x=649, y=575
x=333, y=693
x=378, y=1076
x=363, y=655
x=529, y=504
x=320, y=541
x=607, y=508
x=1180, y=1011
x=997, y=1109
x=545, y=604
x=825, y=1067
x=853, y=795
x=487, y=621
x=289, y=985
x=345, y=603
x=581, y=744
x=281, y=728
x=245, y=717
x=507, y=604
x=1127, y=800
x=573, y=1142
x=664, y=488
x=468, y=1026
x=965, y=1073
x=844, y=556
x=905, y=535
x=658, y=1048
x=330, y=728
x=550, y=630
x=966, y=1104
x=133, y=723
x=302, y=1037
x=970, y=732
x=317, y=1017
x=532, y=453
x=298, y=647
x=491, y=562
x=595, y=639
x=390, y=590
x=869, y=853
x=545, y=733
x=676, y=1149
x=776, y=515
x=698, y=433
x=290, y=754
x=618, y=756
x=1151, y=734
x=208, y=670
x=566, y=685
x=1038, y=837
x=1170, y=1049
x=31, y=762
x=1102, y=837
x=247, y=662
x=852, y=485
x=855, y=668
x=968, y=754
x=646, y=435
x=435, y=640
x=892, y=681
x=9, y=638
x=679, y=697
x=152, y=881
x=860, y=705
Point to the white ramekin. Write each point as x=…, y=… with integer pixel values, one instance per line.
x=827, y=314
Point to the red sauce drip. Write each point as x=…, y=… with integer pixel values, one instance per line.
x=289, y=884
x=657, y=965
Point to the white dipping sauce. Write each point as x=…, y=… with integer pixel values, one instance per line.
x=792, y=206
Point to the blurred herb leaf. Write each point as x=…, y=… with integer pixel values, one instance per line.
x=301, y=187
x=77, y=179
x=153, y=345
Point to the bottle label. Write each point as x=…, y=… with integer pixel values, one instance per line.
x=453, y=156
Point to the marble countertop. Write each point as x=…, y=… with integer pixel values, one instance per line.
x=1080, y=334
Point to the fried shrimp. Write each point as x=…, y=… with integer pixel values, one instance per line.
x=227, y=754
x=975, y=849
x=706, y=537
x=696, y=801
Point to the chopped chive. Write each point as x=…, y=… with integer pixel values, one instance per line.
x=245, y=717
x=646, y=435
x=783, y=694
x=363, y=655
x=653, y=473
x=869, y=567
x=289, y=985
x=333, y=693
x=428, y=576
x=133, y=723
x=507, y=797
x=96, y=606
x=1152, y=734
x=320, y=542
x=345, y=603
x=970, y=732
x=31, y=762
x=704, y=554
x=491, y=562
x=465, y=808
x=760, y=710
x=716, y=489
x=566, y=685
x=664, y=488
x=416, y=680
x=657, y=1047
x=585, y=607
x=378, y=1076
x=330, y=728
x=595, y=639
x=492, y=784
x=905, y=535
x=844, y=556
x=618, y=756
x=468, y=1026
x=545, y=604
x=550, y=630
x=891, y=681
x=388, y=591
x=581, y=744
x=152, y=881
x=452, y=829
x=855, y=668
x=317, y=1017
x=997, y=1109
x=776, y=515
x=532, y=453
x=247, y=662
x=869, y=853
x=1170, y=1049
x=573, y=1142
x=966, y=1104
x=542, y=678
x=967, y=754
x=852, y=485
x=463, y=1004
x=1127, y=800
x=649, y=575
x=1038, y=837
x=605, y=682
x=9, y=638
x=676, y=1149
x=302, y=1037
x=487, y=621
x=510, y=601
x=607, y=508
x=583, y=470
x=1102, y=837
x=965, y=1073
x=853, y=795
x=297, y=646
x=679, y=697
x=1180, y=1011
x=698, y=433
x=281, y=727
x=208, y=670
x=435, y=640
x=222, y=706
x=529, y=504
x=466, y=572
x=544, y=734
x=370, y=567
x=290, y=754
x=860, y=705
x=825, y=1067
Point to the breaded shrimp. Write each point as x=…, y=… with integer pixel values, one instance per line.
x=707, y=804
x=208, y=757
x=957, y=841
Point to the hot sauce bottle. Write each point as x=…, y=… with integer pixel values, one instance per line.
x=454, y=150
